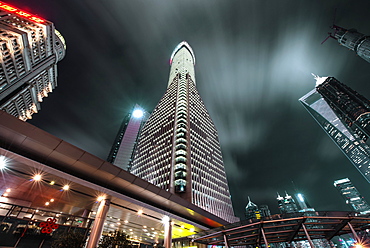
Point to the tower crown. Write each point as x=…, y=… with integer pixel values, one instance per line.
x=178, y=48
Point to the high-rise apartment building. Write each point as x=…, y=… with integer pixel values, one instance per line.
x=178, y=149
x=345, y=116
x=352, y=196
x=122, y=151
x=30, y=48
x=353, y=40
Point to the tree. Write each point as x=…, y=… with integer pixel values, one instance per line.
x=117, y=240
x=67, y=239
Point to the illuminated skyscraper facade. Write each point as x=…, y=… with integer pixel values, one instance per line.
x=30, y=48
x=353, y=40
x=178, y=149
x=344, y=115
x=352, y=196
x=287, y=204
x=122, y=151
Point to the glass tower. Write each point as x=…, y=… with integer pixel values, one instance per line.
x=344, y=115
x=352, y=196
x=178, y=149
x=30, y=48
x=122, y=151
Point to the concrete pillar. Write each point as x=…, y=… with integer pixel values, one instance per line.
x=97, y=228
x=167, y=232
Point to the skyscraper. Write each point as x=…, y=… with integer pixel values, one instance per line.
x=344, y=115
x=122, y=151
x=352, y=196
x=178, y=149
x=252, y=211
x=353, y=40
x=30, y=48
x=286, y=204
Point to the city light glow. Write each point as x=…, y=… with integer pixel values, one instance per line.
x=138, y=113
x=300, y=197
x=21, y=13
x=37, y=177
x=2, y=163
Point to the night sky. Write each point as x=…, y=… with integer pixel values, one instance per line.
x=254, y=61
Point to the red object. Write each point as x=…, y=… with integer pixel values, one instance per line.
x=48, y=225
x=21, y=13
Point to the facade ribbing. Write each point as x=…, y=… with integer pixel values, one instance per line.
x=179, y=148
x=30, y=48
x=353, y=40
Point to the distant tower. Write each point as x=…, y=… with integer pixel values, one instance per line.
x=303, y=204
x=352, y=196
x=252, y=211
x=178, y=149
x=30, y=48
x=353, y=40
x=122, y=151
x=287, y=204
x=265, y=211
x=345, y=117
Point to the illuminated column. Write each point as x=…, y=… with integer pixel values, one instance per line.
x=167, y=232
x=97, y=228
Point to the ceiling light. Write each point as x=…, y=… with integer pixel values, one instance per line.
x=37, y=177
x=65, y=187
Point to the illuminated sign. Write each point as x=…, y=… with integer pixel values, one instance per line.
x=20, y=13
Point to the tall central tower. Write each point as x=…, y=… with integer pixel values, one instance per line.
x=178, y=148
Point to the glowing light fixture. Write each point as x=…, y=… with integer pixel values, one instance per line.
x=126, y=221
x=52, y=182
x=47, y=203
x=37, y=177
x=165, y=219
x=51, y=200
x=100, y=198
x=138, y=113
x=65, y=187
x=2, y=162
x=140, y=212
x=300, y=197
x=8, y=190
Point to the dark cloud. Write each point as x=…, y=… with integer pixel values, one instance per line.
x=254, y=60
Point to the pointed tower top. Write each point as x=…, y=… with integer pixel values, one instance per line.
x=178, y=47
x=319, y=80
x=250, y=204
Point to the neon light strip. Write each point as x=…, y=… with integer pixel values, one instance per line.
x=20, y=13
